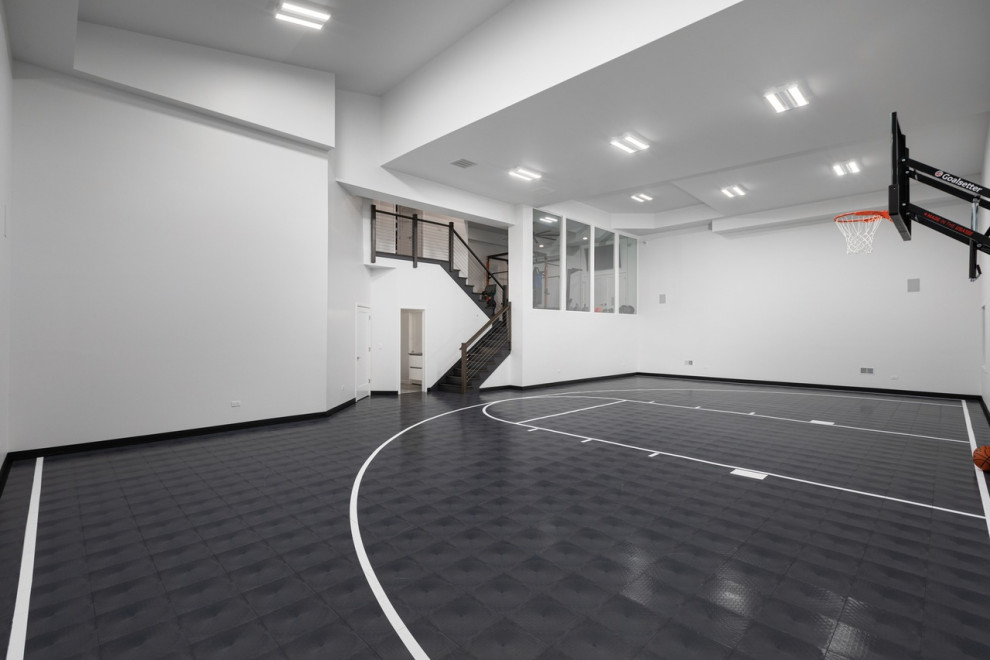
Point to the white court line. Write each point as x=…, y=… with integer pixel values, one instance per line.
x=779, y=419
x=737, y=467
x=907, y=397
x=393, y=617
x=981, y=481
x=800, y=421
x=18, y=626
x=568, y=412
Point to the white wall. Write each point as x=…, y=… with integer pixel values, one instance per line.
x=279, y=98
x=485, y=72
x=790, y=305
x=6, y=231
x=164, y=266
x=451, y=318
x=553, y=345
x=348, y=285
x=359, y=160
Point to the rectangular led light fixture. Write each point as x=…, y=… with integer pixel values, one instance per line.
x=734, y=191
x=298, y=21
x=300, y=10
x=797, y=96
x=642, y=197
x=848, y=167
x=777, y=104
x=525, y=174
x=630, y=143
x=548, y=220
x=297, y=14
x=786, y=98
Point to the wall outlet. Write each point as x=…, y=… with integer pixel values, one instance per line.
x=866, y=370
x=689, y=362
x=235, y=404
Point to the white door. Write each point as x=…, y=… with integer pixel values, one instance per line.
x=362, y=351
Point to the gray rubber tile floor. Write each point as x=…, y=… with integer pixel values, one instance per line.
x=593, y=520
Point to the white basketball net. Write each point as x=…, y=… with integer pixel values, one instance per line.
x=859, y=230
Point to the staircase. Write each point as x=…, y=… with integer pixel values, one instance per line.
x=478, y=298
x=481, y=359
x=409, y=237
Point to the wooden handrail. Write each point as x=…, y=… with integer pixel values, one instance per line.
x=505, y=313
x=409, y=217
x=490, y=323
x=480, y=262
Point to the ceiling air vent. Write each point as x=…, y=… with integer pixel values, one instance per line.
x=463, y=163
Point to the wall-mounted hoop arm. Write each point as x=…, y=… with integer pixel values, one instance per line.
x=903, y=212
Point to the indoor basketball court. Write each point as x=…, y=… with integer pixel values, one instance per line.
x=633, y=517
x=352, y=330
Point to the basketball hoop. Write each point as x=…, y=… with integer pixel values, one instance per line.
x=859, y=228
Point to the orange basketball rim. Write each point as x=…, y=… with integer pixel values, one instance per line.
x=859, y=228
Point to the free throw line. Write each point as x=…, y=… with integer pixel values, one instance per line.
x=655, y=452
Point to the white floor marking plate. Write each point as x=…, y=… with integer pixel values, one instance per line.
x=739, y=472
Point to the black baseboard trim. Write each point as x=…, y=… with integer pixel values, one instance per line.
x=817, y=386
x=4, y=471
x=744, y=381
x=169, y=435
x=384, y=393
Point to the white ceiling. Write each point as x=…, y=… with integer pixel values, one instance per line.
x=697, y=94
x=370, y=45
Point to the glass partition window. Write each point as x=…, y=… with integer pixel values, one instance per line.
x=546, y=260
x=578, y=267
x=627, y=275
x=604, y=271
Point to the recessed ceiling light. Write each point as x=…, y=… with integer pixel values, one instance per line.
x=734, y=191
x=797, y=96
x=630, y=143
x=786, y=98
x=525, y=174
x=642, y=197
x=848, y=167
x=299, y=14
x=584, y=238
x=775, y=102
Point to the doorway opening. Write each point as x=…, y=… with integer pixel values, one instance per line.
x=412, y=351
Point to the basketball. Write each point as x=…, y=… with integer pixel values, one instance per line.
x=982, y=457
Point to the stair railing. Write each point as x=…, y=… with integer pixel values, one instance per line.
x=394, y=234
x=472, y=364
